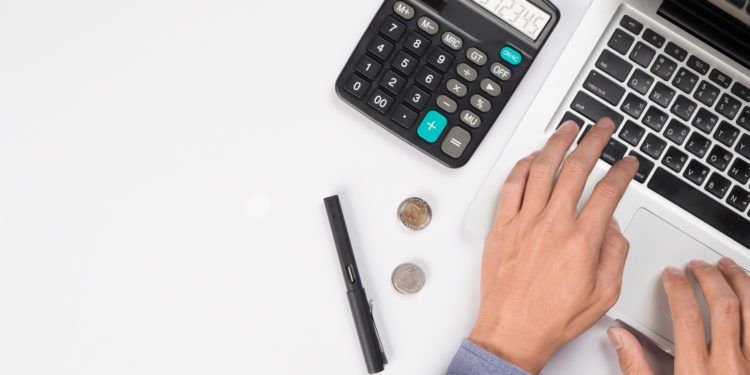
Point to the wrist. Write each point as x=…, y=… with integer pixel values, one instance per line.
x=517, y=352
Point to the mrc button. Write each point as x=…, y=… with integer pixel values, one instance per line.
x=510, y=55
x=453, y=41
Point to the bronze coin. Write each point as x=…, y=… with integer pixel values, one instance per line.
x=414, y=213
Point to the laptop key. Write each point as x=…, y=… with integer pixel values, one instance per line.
x=706, y=94
x=698, y=145
x=718, y=185
x=631, y=25
x=662, y=94
x=633, y=105
x=676, y=51
x=728, y=106
x=705, y=120
x=742, y=91
x=664, y=67
x=685, y=80
x=621, y=41
x=720, y=78
x=675, y=159
x=698, y=65
x=743, y=146
x=739, y=198
x=642, y=54
x=653, y=146
x=744, y=119
x=632, y=133
x=689, y=198
x=640, y=82
x=726, y=133
x=654, y=38
x=604, y=87
x=676, y=132
x=644, y=168
x=683, y=107
x=614, y=65
x=568, y=116
x=594, y=110
x=696, y=172
x=655, y=118
x=740, y=171
x=719, y=158
x=614, y=151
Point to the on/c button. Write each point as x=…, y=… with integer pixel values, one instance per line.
x=511, y=55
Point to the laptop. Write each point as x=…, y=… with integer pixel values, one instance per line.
x=675, y=77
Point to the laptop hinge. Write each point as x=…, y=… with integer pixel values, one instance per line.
x=711, y=25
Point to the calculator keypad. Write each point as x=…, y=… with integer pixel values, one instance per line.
x=439, y=89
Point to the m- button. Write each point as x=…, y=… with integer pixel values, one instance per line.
x=403, y=10
x=429, y=26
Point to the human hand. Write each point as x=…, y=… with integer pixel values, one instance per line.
x=549, y=272
x=727, y=292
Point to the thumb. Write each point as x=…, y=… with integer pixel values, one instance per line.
x=630, y=352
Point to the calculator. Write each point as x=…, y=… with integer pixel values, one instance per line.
x=438, y=73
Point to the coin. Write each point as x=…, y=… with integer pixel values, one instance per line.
x=408, y=278
x=414, y=213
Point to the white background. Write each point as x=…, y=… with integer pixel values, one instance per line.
x=162, y=170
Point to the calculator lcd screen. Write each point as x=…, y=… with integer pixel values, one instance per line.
x=521, y=14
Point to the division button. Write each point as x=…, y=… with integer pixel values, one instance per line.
x=466, y=72
x=428, y=25
x=500, y=71
x=403, y=10
x=455, y=142
x=447, y=104
x=490, y=87
x=481, y=103
x=476, y=56
x=453, y=41
x=471, y=119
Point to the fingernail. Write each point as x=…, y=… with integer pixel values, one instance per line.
x=674, y=270
x=727, y=263
x=605, y=123
x=614, y=224
x=569, y=126
x=615, y=339
x=630, y=159
x=697, y=262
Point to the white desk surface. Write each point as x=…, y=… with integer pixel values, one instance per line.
x=162, y=170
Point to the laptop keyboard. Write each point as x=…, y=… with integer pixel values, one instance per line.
x=685, y=120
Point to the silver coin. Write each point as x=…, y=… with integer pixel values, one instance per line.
x=414, y=213
x=408, y=278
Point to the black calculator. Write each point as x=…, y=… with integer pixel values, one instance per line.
x=437, y=73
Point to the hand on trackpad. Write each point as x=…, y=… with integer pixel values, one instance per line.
x=654, y=245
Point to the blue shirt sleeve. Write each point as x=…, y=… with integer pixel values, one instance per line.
x=473, y=360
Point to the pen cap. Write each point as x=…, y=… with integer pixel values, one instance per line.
x=343, y=243
x=369, y=339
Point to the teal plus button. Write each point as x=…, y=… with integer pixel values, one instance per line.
x=432, y=126
x=510, y=55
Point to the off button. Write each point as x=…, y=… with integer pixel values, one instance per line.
x=511, y=55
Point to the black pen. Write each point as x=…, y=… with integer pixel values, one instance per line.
x=369, y=339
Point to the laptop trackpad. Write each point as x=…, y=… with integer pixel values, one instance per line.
x=654, y=245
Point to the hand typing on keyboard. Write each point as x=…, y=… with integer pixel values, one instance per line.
x=550, y=272
x=727, y=291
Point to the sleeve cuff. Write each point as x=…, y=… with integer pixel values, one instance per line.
x=473, y=360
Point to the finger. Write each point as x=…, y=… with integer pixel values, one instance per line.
x=723, y=305
x=611, y=264
x=632, y=357
x=606, y=196
x=514, y=187
x=687, y=318
x=740, y=283
x=578, y=165
x=544, y=168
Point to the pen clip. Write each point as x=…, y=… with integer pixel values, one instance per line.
x=371, y=302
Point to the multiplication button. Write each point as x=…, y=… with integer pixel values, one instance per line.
x=457, y=88
x=456, y=142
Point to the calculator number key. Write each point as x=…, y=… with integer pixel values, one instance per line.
x=380, y=48
x=416, y=44
x=357, y=86
x=441, y=60
x=393, y=82
x=429, y=78
x=368, y=67
x=405, y=63
x=381, y=101
x=416, y=98
x=393, y=29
